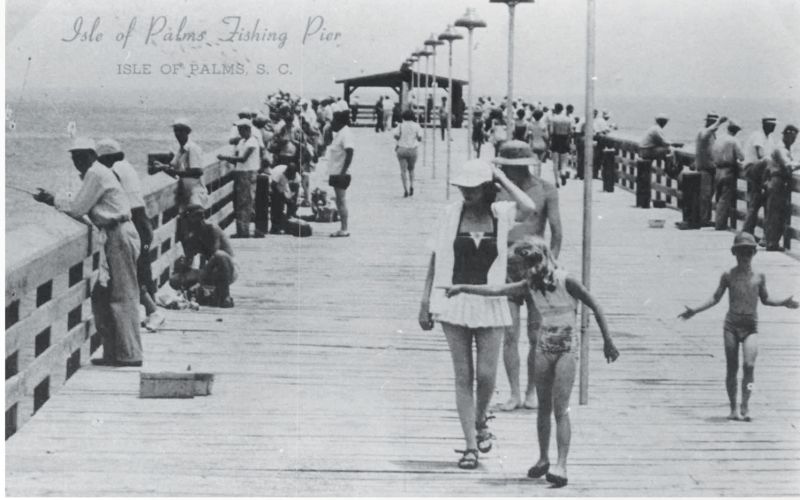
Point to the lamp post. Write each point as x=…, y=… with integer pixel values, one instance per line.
x=426, y=53
x=449, y=35
x=469, y=20
x=510, y=97
x=417, y=56
x=432, y=43
x=409, y=64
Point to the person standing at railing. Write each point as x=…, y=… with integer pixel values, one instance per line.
x=110, y=154
x=756, y=153
x=654, y=145
x=187, y=166
x=728, y=156
x=246, y=165
x=704, y=163
x=778, y=180
x=115, y=297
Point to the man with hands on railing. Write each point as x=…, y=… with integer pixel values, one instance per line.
x=115, y=297
x=655, y=146
x=778, y=184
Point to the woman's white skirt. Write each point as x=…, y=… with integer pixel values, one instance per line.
x=473, y=311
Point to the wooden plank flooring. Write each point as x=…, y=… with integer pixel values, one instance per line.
x=325, y=384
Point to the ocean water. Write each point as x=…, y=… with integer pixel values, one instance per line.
x=36, y=150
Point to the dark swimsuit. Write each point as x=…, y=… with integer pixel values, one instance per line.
x=472, y=262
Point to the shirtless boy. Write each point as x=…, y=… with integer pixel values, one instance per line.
x=741, y=323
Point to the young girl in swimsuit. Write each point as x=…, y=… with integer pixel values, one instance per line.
x=556, y=295
x=741, y=323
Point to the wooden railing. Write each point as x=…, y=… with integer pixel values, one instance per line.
x=664, y=188
x=50, y=331
x=366, y=116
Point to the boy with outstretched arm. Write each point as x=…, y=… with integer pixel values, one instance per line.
x=746, y=287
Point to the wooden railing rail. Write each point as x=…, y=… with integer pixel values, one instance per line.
x=664, y=188
x=50, y=331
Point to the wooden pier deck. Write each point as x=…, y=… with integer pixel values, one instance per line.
x=326, y=386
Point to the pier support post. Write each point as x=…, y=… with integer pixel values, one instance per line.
x=689, y=198
x=644, y=169
x=609, y=172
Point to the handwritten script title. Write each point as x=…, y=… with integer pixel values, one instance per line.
x=153, y=30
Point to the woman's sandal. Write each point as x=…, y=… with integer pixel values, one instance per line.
x=538, y=471
x=483, y=435
x=469, y=459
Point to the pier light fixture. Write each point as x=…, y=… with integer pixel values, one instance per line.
x=510, y=93
x=449, y=35
x=470, y=21
x=431, y=43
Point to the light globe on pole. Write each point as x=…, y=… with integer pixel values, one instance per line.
x=432, y=42
x=449, y=35
x=471, y=21
x=510, y=93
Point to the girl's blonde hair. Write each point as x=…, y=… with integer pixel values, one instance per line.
x=528, y=252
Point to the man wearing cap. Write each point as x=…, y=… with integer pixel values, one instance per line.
x=246, y=165
x=186, y=166
x=758, y=148
x=244, y=114
x=340, y=156
x=727, y=155
x=110, y=154
x=654, y=144
x=515, y=159
x=704, y=163
x=115, y=297
x=778, y=179
x=208, y=240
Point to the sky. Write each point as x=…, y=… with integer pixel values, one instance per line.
x=730, y=48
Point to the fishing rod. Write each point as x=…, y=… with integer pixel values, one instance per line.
x=23, y=190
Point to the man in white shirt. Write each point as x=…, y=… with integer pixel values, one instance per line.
x=246, y=165
x=778, y=178
x=115, y=297
x=756, y=152
x=388, y=108
x=727, y=155
x=340, y=156
x=110, y=154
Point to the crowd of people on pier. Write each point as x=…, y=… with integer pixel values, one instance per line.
x=274, y=152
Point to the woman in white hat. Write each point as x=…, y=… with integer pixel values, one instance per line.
x=470, y=247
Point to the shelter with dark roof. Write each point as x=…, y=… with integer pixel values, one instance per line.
x=400, y=82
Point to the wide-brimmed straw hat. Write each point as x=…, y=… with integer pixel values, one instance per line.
x=472, y=174
x=515, y=153
x=743, y=239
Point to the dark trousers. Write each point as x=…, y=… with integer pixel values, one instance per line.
x=725, y=188
x=706, y=195
x=775, y=213
x=244, y=185
x=281, y=207
x=756, y=199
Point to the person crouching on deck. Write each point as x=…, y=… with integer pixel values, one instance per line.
x=745, y=287
x=555, y=295
x=115, y=297
x=209, y=241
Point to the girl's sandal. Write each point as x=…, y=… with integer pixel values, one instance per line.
x=483, y=436
x=469, y=459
